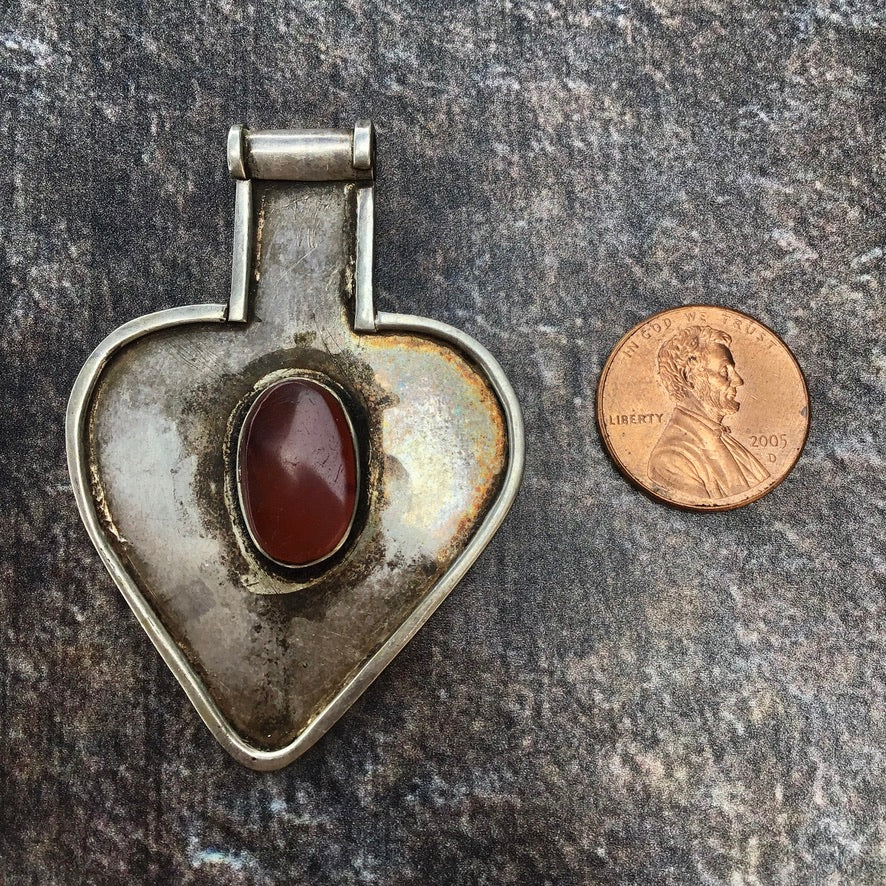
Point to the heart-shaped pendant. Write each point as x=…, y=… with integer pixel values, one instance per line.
x=285, y=487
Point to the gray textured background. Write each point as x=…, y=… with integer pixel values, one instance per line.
x=619, y=692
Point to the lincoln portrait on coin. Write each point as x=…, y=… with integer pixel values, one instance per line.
x=696, y=455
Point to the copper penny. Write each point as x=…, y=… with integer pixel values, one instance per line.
x=703, y=407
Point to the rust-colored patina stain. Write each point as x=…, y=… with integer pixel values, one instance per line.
x=483, y=442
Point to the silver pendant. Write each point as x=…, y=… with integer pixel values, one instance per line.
x=286, y=487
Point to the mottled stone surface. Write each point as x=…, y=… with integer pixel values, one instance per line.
x=618, y=692
x=298, y=472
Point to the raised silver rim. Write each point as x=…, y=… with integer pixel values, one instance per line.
x=75, y=433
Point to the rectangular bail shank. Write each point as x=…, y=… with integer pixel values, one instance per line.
x=311, y=156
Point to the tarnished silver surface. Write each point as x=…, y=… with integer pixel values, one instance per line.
x=271, y=661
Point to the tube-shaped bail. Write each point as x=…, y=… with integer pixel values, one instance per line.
x=310, y=155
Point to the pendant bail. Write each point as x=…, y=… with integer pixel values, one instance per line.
x=310, y=156
x=303, y=155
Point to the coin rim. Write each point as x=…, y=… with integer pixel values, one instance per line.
x=610, y=449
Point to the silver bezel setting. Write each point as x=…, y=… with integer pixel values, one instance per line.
x=261, y=392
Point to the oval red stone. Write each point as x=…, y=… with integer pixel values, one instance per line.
x=297, y=470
